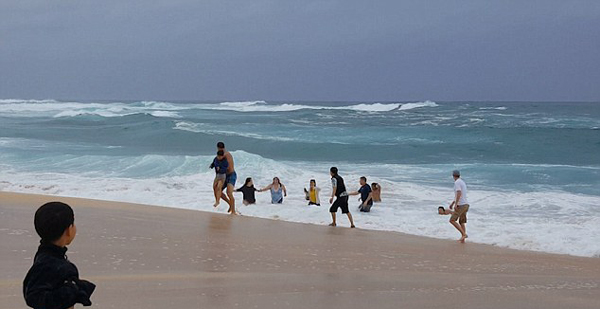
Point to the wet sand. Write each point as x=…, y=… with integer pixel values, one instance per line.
x=154, y=257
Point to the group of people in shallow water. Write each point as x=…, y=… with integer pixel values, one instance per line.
x=226, y=178
x=278, y=191
x=369, y=194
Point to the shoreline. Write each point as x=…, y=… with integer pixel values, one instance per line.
x=109, y=203
x=154, y=257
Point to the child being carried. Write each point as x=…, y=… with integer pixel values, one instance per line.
x=220, y=165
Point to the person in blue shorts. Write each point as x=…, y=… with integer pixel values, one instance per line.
x=230, y=179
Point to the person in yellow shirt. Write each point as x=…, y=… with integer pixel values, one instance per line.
x=312, y=194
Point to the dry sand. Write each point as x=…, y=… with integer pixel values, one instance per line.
x=153, y=257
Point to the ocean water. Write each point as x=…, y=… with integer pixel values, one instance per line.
x=533, y=168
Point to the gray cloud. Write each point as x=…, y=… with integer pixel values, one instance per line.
x=300, y=50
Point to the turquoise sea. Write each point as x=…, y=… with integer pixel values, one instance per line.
x=533, y=168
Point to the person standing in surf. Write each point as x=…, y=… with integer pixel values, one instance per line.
x=339, y=192
x=230, y=179
x=376, y=189
x=462, y=206
x=248, y=191
x=366, y=195
x=312, y=194
x=278, y=191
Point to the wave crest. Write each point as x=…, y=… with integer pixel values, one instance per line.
x=409, y=106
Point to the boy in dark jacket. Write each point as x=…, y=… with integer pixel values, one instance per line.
x=53, y=281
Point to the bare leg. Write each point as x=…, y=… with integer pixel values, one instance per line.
x=217, y=189
x=351, y=221
x=464, y=227
x=460, y=229
x=231, y=199
x=225, y=198
x=333, y=223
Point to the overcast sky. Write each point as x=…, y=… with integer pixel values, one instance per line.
x=306, y=50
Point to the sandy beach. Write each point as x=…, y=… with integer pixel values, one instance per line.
x=154, y=257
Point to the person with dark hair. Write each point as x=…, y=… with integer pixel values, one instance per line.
x=278, y=191
x=366, y=196
x=312, y=194
x=444, y=211
x=462, y=206
x=341, y=201
x=376, y=189
x=230, y=180
x=220, y=165
x=248, y=191
x=53, y=281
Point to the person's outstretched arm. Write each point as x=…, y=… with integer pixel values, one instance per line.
x=354, y=193
x=265, y=188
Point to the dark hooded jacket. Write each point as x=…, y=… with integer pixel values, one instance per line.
x=53, y=282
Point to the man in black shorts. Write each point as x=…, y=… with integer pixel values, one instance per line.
x=341, y=201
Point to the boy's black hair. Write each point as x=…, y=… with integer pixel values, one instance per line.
x=363, y=178
x=442, y=208
x=52, y=219
x=312, y=180
x=334, y=170
x=220, y=145
x=220, y=153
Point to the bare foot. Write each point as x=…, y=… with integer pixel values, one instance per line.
x=216, y=204
x=332, y=224
x=462, y=239
x=352, y=226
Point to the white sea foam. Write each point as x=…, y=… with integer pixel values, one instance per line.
x=376, y=107
x=153, y=105
x=261, y=106
x=101, y=112
x=13, y=101
x=165, y=114
x=243, y=103
x=549, y=221
x=500, y=108
x=201, y=128
x=408, y=106
x=36, y=108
